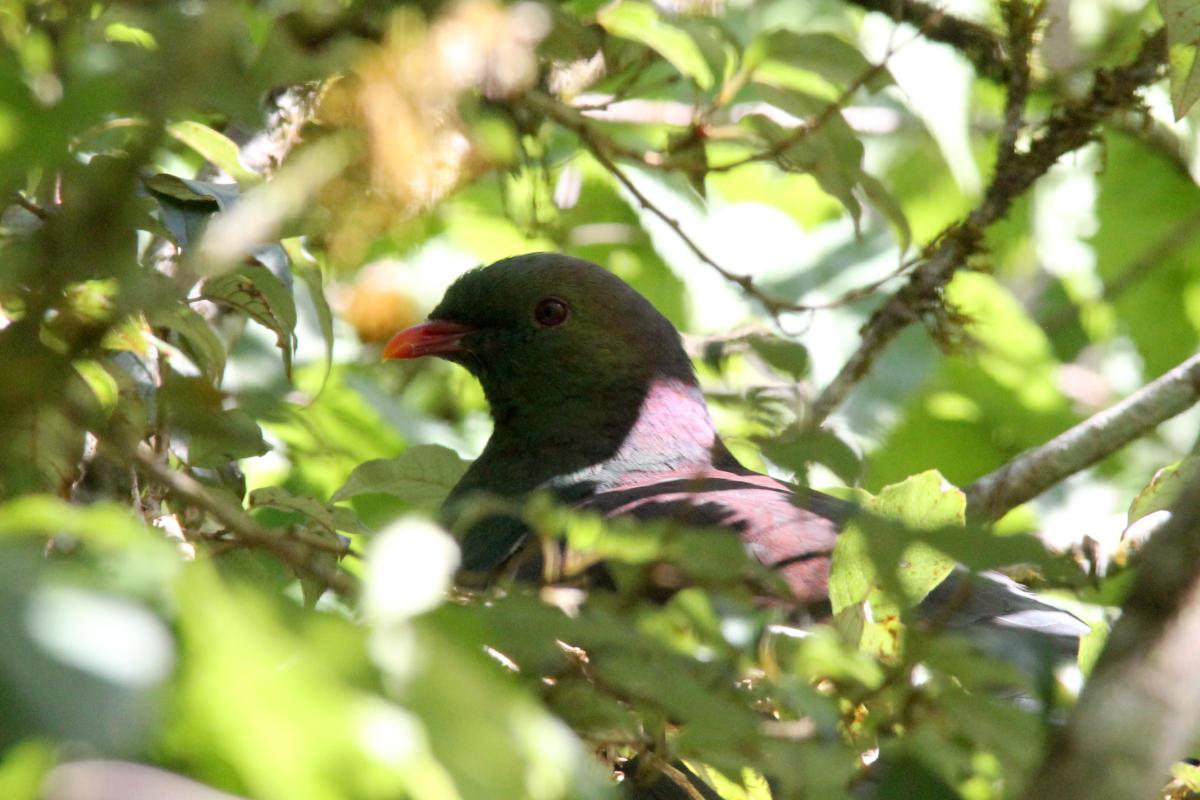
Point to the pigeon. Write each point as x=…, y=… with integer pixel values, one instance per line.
x=595, y=400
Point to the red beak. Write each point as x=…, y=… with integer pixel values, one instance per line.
x=427, y=339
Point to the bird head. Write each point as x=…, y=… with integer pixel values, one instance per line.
x=546, y=331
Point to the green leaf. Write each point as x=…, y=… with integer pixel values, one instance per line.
x=129, y=34
x=50, y=446
x=101, y=382
x=1164, y=488
x=790, y=358
x=280, y=498
x=796, y=449
x=830, y=152
x=185, y=206
x=886, y=204
x=217, y=148
x=423, y=475
x=1185, y=79
x=344, y=519
x=103, y=524
x=1090, y=648
x=871, y=558
x=259, y=294
x=1187, y=774
x=225, y=436
x=640, y=22
x=23, y=769
x=223, y=195
x=1182, y=18
x=834, y=59
x=198, y=338
x=309, y=271
x=235, y=638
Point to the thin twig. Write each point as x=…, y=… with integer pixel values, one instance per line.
x=337, y=547
x=296, y=554
x=1070, y=128
x=1102, y=434
x=30, y=206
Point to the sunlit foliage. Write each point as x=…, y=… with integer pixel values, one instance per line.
x=218, y=543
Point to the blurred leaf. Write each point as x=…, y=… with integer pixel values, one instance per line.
x=284, y=693
x=102, y=384
x=278, y=497
x=106, y=525
x=309, y=271
x=888, y=206
x=52, y=446
x=640, y=22
x=22, y=769
x=198, y=338
x=796, y=449
x=215, y=147
x=1164, y=488
x=908, y=778
x=227, y=436
x=215, y=435
x=831, y=152
x=1150, y=278
x=222, y=195
x=257, y=292
x=1187, y=774
x=130, y=34
x=1182, y=18
x=833, y=59
x=1014, y=735
x=344, y=519
x=790, y=358
x=422, y=475
x=1090, y=648
x=458, y=682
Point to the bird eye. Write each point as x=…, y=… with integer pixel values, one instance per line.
x=550, y=312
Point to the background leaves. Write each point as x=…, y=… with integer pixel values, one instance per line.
x=190, y=438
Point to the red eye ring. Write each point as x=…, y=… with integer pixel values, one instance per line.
x=551, y=312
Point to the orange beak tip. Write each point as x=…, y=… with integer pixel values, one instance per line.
x=435, y=337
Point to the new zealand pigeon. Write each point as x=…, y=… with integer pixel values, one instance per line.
x=594, y=399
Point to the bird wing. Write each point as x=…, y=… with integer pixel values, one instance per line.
x=792, y=531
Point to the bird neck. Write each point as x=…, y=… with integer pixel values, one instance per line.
x=601, y=441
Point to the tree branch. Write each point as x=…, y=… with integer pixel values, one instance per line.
x=291, y=552
x=30, y=206
x=1137, y=714
x=984, y=49
x=1067, y=130
x=1021, y=19
x=1035, y=471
